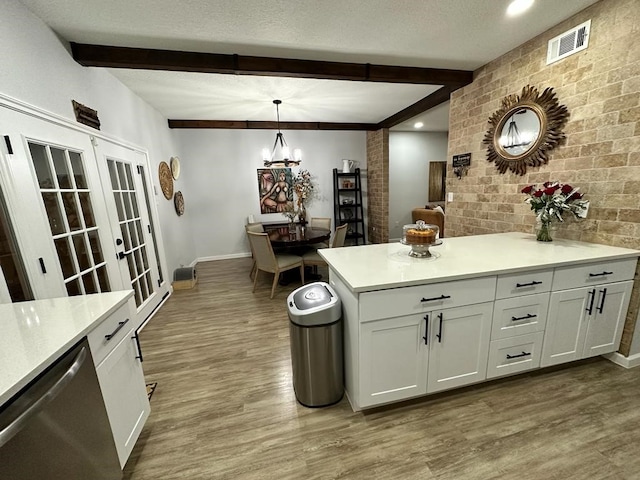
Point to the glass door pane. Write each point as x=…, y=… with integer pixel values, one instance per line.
x=67, y=200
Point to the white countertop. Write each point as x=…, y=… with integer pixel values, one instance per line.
x=388, y=265
x=34, y=334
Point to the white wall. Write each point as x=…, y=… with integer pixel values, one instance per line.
x=221, y=187
x=38, y=69
x=409, y=157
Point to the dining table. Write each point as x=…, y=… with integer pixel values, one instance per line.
x=285, y=237
x=296, y=240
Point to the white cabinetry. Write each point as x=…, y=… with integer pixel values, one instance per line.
x=121, y=378
x=436, y=349
x=586, y=310
x=489, y=306
x=458, y=346
x=519, y=319
x=394, y=359
x=585, y=322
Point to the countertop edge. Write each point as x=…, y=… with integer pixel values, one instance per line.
x=8, y=394
x=384, y=284
x=488, y=273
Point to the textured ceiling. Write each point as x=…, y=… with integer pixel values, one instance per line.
x=458, y=34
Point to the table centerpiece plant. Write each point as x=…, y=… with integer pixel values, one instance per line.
x=304, y=190
x=550, y=202
x=303, y=187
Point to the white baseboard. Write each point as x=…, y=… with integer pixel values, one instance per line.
x=626, y=362
x=221, y=257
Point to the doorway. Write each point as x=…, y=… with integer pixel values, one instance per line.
x=437, y=181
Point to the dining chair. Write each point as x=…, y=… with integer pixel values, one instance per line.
x=255, y=227
x=268, y=261
x=321, y=222
x=313, y=258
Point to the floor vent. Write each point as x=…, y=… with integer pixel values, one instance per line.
x=569, y=42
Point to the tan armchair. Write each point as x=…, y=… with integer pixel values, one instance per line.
x=434, y=217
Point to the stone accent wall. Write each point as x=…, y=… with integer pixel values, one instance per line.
x=378, y=186
x=601, y=153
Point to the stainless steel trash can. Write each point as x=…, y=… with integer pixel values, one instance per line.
x=315, y=330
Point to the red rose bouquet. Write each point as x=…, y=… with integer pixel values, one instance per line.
x=551, y=201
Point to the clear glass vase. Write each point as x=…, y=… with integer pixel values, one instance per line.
x=302, y=216
x=544, y=231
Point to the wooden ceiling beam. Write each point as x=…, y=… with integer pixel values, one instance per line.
x=172, y=60
x=436, y=98
x=260, y=125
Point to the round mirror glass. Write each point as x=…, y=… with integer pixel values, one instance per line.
x=520, y=131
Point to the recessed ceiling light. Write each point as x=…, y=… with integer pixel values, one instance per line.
x=518, y=6
x=418, y=125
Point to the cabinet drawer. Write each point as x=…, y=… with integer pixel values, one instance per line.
x=594, y=274
x=116, y=326
x=515, y=354
x=519, y=315
x=424, y=298
x=524, y=283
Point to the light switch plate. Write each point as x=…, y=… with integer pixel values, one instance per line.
x=450, y=197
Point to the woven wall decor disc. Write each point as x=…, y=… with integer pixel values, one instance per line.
x=178, y=203
x=175, y=167
x=166, y=180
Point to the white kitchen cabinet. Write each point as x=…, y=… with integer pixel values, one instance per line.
x=508, y=304
x=519, y=315
x=584, y=322
x=514, y=354
x=121, y=379
x=393, y=359
x=409, y=356
x=458, y=346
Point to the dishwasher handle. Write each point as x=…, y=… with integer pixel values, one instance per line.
x=18, y=424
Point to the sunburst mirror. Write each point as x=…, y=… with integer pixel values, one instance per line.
x=525, y=129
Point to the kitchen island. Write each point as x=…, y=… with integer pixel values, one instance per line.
x=481, y=307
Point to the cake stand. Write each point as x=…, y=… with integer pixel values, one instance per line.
x=421, y=251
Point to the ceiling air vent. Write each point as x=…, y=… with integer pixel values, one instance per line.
x=569, y=42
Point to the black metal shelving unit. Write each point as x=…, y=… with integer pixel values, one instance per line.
x=347, y=204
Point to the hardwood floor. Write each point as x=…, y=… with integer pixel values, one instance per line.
x=224, y=407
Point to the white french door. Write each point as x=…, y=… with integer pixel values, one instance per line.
x=81, y=212
x=124, y=182
x=55, y=201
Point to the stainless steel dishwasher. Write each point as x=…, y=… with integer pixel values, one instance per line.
x=57, y=427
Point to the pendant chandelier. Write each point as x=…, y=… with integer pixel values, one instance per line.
x=280, y=144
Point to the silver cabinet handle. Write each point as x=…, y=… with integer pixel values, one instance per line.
x=18, y=424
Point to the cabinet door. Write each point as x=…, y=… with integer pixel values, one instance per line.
x=566, y=326
x=459, y=346
x=125, y=395
x=393, y=359
x=607, y=320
